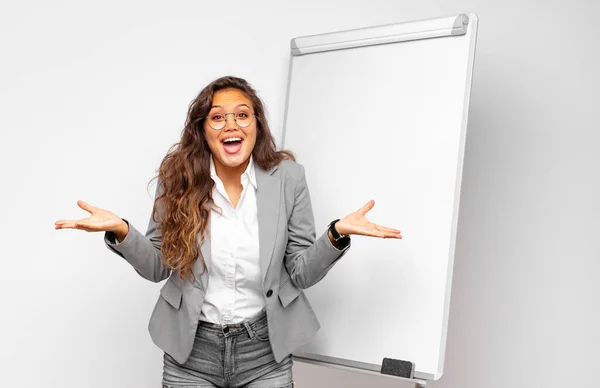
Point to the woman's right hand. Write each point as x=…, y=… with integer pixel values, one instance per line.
x=100, y=220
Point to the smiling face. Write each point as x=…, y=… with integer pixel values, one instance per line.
x=232, y=156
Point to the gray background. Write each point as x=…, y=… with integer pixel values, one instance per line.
x=93, y=94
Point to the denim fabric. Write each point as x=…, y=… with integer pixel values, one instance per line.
x=230, y=356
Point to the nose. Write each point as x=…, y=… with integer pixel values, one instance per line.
x=230, y=123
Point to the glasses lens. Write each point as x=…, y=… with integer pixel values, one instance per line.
x=216, y=120
x=244, y=118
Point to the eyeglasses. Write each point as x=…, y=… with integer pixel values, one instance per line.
x=243, y=118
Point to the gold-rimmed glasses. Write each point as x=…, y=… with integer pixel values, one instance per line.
x=243, y=117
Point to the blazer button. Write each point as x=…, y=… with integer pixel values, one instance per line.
x=269, y=293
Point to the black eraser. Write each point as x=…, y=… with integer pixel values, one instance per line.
x=400, y=368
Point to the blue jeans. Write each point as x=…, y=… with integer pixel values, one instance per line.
x=230, y=356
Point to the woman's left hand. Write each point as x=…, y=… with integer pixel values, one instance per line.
x=357, y=223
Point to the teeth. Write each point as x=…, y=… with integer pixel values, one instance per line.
x=231, y=139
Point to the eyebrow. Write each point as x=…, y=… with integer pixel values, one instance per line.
x=220, y=106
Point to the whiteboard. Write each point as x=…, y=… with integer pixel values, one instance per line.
x=381, y=113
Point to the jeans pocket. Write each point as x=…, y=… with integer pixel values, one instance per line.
x=262, y=334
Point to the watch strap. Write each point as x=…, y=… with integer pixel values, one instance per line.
x=336, y=235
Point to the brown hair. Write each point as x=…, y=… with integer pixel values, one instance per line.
x=185, y=182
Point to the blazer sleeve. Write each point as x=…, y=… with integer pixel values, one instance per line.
x=142, y=251
x=308, y=259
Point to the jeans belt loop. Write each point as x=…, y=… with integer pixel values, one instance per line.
x=249, y=329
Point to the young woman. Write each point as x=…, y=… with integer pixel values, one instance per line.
x=232, y=229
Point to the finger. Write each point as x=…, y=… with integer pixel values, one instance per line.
x=388, y=234
x=393, y=235
x=82, y=225
x=86, y=206
x=72, y=222
x=378, y=232
x=64, y=224
x=368, y=206
x=386, y=229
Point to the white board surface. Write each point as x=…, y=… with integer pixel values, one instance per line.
x=381, y=113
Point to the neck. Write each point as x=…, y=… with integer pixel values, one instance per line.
x=230, y=175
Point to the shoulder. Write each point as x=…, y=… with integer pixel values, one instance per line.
x=292, y=173
x=293, y=170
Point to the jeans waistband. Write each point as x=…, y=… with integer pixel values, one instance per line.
x=254, y=323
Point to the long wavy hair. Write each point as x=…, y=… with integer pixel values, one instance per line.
x=184, y=183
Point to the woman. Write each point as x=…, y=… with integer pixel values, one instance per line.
x=232, y=229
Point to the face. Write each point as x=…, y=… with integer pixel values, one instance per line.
x=237, y=153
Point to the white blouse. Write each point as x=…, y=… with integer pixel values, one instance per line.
x=234, y=289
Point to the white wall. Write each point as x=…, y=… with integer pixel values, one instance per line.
x=92, y=95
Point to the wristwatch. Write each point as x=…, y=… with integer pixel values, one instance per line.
x=336, y=236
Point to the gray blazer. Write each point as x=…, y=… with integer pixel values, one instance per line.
x=291, y=259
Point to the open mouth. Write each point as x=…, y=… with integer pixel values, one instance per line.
x=232, y=145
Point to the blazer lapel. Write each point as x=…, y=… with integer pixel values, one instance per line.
x=268, y=196
x=202, y=280
x=205, y=250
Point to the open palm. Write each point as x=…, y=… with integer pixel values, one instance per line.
x=100, y=220
x=357, y=223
